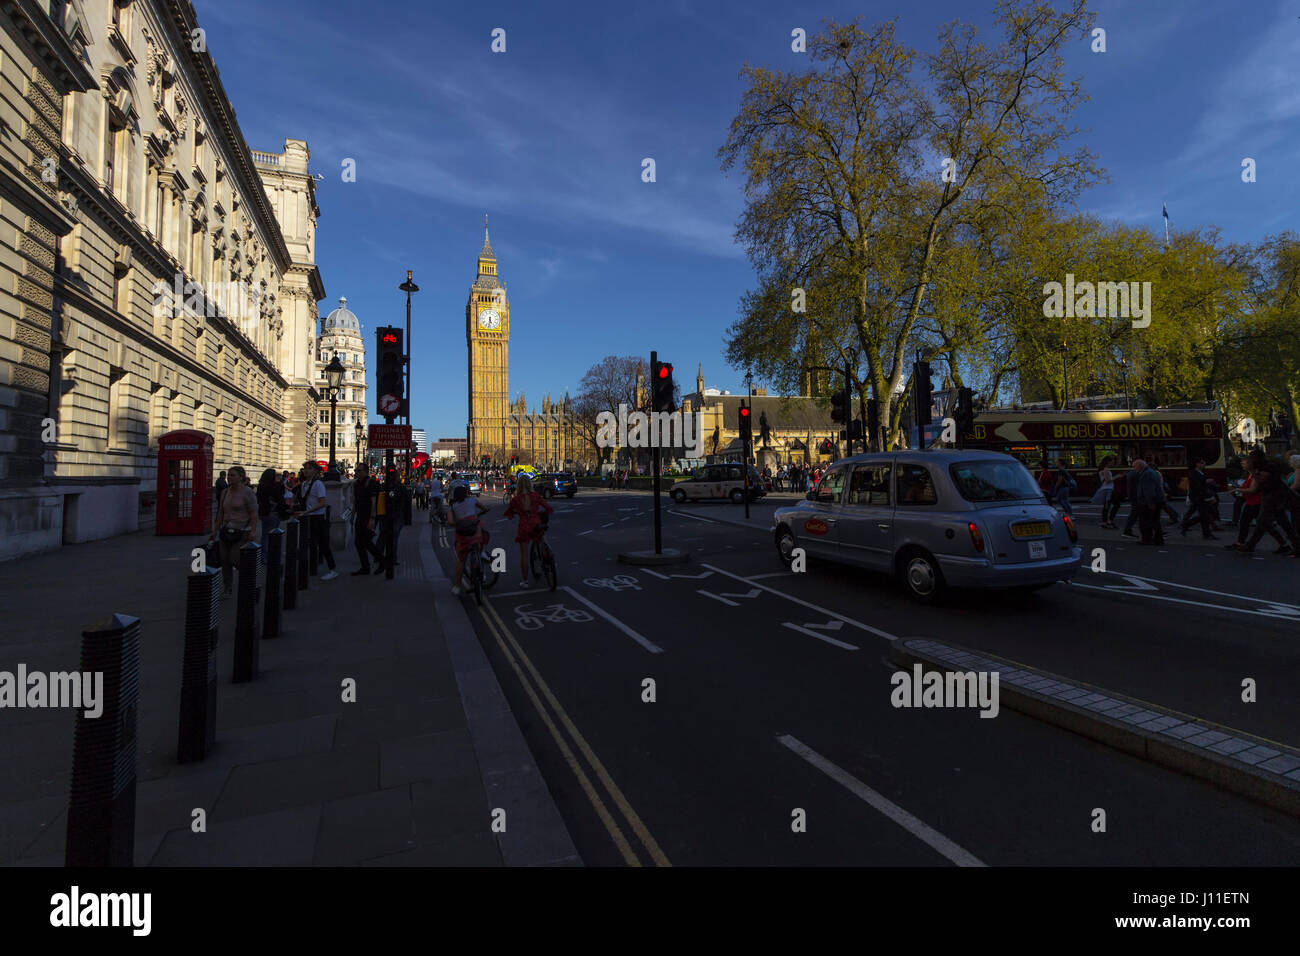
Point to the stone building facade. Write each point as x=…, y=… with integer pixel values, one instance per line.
x=799, y=428
x=146, y=281
x=341, y=334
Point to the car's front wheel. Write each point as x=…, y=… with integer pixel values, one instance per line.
x=785, y=546
x=737, y=496
x=921, y=576
x=677, y=495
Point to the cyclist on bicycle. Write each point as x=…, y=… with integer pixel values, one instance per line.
x=465, y=511
x=533, y=512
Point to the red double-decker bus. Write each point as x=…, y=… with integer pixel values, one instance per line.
x=1169, y=438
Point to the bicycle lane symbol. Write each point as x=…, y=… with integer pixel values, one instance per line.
x=531, y=619
x=621, y=582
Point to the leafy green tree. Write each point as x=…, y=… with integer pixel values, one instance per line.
x=863, y=180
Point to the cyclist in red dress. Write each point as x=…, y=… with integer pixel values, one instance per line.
x=529, y=506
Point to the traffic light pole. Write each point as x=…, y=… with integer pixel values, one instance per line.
x=654, y=464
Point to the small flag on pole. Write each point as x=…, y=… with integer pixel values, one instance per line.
x=1164, y=211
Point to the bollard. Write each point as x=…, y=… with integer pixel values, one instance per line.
x=198, y=719
x=291, y=564
x=271, y=608
x=304, y=551
x=247, y=622
x=101, y=801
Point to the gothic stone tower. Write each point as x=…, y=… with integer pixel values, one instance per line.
x=487, y=335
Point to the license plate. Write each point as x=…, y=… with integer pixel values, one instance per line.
x=1038, y=549
x=1031, y=529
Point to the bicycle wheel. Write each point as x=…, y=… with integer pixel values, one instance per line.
x=477, y=576
x=535, y=559
x=548, y=569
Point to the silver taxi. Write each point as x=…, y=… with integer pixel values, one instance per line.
x=935, y=519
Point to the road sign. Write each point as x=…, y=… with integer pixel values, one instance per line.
x=390, y=404
x=396, y=437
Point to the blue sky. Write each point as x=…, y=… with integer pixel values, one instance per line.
x=548, y=140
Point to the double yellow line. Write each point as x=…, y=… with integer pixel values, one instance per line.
x=535, y=686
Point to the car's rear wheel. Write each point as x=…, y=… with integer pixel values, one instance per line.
x=677, y=495
x=785, y=546
x=737, y=496
x=921, y=576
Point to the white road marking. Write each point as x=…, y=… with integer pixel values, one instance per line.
x=682, y=514
x=820, y=610
x=922, y=831
x=648, y=645
x=820, y=637
x=588, y=531
x=610, y=525
x=716, y=598
x=1192, y=587
x=769, y=574
x=665, y=577
x=1284, y=615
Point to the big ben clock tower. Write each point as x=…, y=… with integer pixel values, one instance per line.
x=487, y=334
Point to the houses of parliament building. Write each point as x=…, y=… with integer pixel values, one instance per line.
x=498, y=428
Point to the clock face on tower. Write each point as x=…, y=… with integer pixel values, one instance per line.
x=489, y=319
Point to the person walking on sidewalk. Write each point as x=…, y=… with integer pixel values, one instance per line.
x=1151, y=500
x=272, y=503
x=235, y=524
x=314, y=504
x=1105, y=491
x=364, y=491
x=1198, y=501
x=1062, y=484
x=1134, y=499
x=1251, y=499
x=1274, y=495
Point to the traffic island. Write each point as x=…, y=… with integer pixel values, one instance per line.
x=652, y=559
x=1263, y=770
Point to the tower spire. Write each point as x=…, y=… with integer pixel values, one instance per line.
x=487, y=252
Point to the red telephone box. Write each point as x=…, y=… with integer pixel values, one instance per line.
x=184, y=483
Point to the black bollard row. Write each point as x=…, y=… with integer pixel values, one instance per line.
x=248, y=623
x=291, y=564
x=271, y=608
x=313, y=552
x=101, y=801
x=198, y=719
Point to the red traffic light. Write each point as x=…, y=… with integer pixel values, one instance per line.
x=744, y=411
x=665, y=370
x=390, y=338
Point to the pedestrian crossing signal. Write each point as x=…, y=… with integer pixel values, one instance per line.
x=746, y=424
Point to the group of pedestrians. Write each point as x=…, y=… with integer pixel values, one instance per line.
x=1267, y=502
x=244, y=513
x=794, y=477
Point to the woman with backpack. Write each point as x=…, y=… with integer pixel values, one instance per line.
x=272, y=503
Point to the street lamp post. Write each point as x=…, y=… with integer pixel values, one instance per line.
x=361, y=435
x=333, y=380
x=1123, y=371
x=1065, y=376
x=408, y=287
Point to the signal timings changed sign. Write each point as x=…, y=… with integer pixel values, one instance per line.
x=397, y=437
